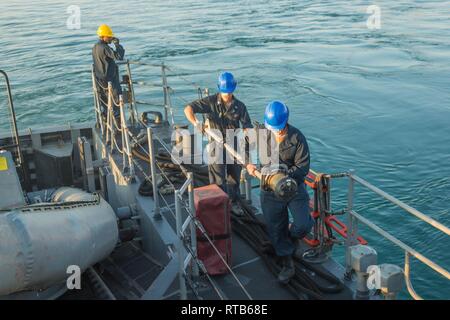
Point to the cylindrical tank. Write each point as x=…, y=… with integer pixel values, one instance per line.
x=39, y=242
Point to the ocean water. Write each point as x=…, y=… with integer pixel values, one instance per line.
x=373, y=100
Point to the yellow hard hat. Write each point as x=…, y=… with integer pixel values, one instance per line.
x=105, y=31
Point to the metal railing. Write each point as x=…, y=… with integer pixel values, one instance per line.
x=167, y=104
x=185, y=261
x=186, y=252
x=110, y=128
x=354, y=217
x=132, y=101
x=15, y=139
x=13, y=122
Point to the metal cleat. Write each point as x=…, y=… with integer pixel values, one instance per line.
x=391, y=280
x=362, y=257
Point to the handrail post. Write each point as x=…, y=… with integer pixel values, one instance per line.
x=126, y=140
x=13, y=119
x=328, y=181
x=122, y=131
x=169, y=104
x=109, y=134
x=245, y=185
x=134, y=112
x=409, y=286
x=193, y=229
x=248, y=186
x=14, y=129
x=165, y=90
x=242, y=188
x=350, y=223
x=183, y=291
x=151, y=151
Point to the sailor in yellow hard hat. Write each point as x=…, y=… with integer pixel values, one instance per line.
x=105, y=67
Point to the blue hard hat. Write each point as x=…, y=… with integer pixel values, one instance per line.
x=226, y=83
x=276, y=115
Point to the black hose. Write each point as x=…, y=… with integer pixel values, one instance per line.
x=146, y=189
x=302, y=285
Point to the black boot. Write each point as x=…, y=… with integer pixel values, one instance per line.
x=288, y=270
x=298, y=249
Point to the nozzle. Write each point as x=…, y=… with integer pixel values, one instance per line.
x=282, y=185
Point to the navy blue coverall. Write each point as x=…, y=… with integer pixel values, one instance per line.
x=106, y=70
x=222, y=117
x=293, y=153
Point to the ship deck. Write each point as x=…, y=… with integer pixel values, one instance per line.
x=247, y=265
x=147, y=267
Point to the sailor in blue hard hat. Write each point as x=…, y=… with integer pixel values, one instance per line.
x=294, y=157
x=223, y=111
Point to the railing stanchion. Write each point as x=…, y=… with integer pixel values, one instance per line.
x=248, y=187
x=108, y=115
x=151, y=151
x=180, y=246
x=134, y=112
x=165, y=90
x=125, y=138
x=350, y=241
x=242, y=189
x=193, y=229
x=407, y=273
x=14, y=130
x=122, y=129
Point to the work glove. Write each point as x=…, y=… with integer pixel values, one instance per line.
x=115, y=41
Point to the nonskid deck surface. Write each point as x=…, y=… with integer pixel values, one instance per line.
x=248, y=266
x=257, y=279
x=127, y=273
